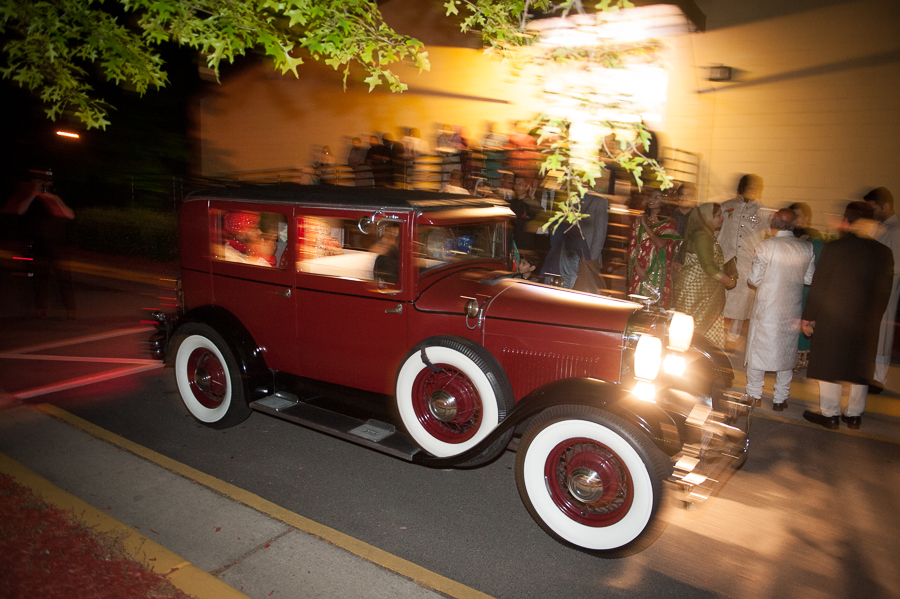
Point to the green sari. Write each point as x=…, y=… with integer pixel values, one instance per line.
x=697, y=290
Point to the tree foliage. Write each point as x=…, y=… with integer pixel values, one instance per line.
x=55, y=48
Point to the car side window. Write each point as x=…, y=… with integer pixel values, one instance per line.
x=249, y=237
x=337, y=247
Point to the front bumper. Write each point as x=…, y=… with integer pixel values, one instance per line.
x=720, y=441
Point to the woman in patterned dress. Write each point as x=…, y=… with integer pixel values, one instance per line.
x=701, y=283
x=650, y=250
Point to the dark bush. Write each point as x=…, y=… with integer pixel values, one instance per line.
x=127, y=232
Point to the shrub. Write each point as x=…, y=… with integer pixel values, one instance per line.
x=127, y=232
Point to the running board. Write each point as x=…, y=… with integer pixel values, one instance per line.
x=373, y=434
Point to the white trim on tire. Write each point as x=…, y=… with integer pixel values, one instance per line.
x=405, y=380
x=198, y=410
x=598, y=538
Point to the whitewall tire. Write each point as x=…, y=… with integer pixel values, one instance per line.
x=451, y=403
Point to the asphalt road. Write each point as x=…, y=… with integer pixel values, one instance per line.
x=811, y=514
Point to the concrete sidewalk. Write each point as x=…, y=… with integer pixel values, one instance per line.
x=211, y=539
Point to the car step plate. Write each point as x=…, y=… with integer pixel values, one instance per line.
x=374, y=430
x=372, y=433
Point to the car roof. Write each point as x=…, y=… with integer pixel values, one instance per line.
x=334, y=196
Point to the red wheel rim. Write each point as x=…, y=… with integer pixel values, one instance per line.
x=589, y=482
x=208, y=379
x=447, y=404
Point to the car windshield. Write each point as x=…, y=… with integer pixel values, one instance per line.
x=440, y=244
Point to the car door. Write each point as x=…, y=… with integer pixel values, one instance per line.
x=353, y=290
x=253, y=275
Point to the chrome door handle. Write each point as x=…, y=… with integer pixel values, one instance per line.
x=397, y=310
x=285, y=293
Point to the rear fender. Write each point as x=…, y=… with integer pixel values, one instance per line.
x=251, y=362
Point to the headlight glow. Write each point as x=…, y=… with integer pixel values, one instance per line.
x=681, y=331
x=647, y=357
x=645, y=391
x=674, y=365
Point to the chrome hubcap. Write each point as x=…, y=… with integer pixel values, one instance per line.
x=585, y=485
x=202, y=379
x=442, y=406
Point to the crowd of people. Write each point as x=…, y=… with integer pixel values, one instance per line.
x=737, y=266
x=503, y=164
x=743, y=271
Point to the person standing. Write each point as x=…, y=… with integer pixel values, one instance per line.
x=357, y=154
x=802, y=230
x=701, y=283
x=783, y=265
x=883, y=202
x=46, y=219
x=654, y=239
x=379, y=158
x=848, y=295
x=745, y=224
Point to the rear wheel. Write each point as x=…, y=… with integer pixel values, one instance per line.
x=209, y=379
x=589, y=478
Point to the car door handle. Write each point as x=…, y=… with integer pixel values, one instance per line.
x=285, y=293
x=397, y=310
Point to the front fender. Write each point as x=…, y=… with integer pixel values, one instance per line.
x=648, y=417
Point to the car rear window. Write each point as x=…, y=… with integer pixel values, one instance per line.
x=249, y=237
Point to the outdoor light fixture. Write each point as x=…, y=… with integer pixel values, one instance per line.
x=720, y=73
x=68, y=134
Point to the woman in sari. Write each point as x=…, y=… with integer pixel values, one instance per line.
x=650, y=250
x=701, y=283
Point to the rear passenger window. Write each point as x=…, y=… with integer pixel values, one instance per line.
x=336, y=247
x=248, y=237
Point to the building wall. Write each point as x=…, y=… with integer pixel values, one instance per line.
x=258, y=119
x=813, y=108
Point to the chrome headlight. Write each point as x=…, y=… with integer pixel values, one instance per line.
x=647, y=357
x=680, y=331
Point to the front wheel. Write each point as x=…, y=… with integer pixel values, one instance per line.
x=451, y=393
x=208, y=378
x=589, y=478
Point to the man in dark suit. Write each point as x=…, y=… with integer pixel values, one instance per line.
x=848, y=295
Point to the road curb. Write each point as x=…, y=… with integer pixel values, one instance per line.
x=153, y=556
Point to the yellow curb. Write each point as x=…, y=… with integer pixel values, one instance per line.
x=153, y=556
x=382, y=558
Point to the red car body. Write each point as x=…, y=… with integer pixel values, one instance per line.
x=389, y=318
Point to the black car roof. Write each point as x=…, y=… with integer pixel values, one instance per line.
x=338, y=195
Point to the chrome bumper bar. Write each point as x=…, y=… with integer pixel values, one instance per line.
x=724, y=438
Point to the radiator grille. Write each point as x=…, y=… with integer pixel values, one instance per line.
x=528, y=370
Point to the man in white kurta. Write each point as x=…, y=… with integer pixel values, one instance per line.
x=782, y=266
x=742, y=230
x=889, y=234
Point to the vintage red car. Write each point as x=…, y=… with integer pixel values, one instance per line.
x=389, y=318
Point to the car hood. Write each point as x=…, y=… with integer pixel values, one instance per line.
x=518, y=300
